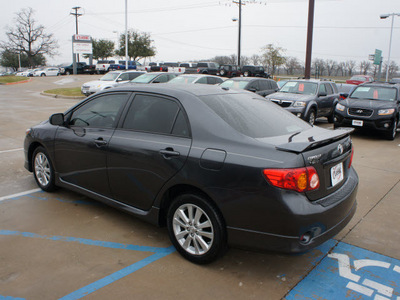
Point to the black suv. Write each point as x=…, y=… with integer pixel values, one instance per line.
x=254, y=71
x=260, y=86
x=308, y=99
x=371, y=105
x=229, y=71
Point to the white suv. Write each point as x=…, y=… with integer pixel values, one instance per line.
x=109, y=80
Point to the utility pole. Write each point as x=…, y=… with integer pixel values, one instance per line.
x=307, y=73
x=240, y=28
x=76, y=14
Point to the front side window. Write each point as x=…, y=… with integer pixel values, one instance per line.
x=155, y=114
x=202, y=80
x=322, y=89
x=100, y=112
x=109, y=77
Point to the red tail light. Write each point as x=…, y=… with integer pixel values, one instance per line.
x=351, y=157
x=299, y=179
x=198, y=70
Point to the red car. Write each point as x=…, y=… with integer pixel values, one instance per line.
x=358, y=79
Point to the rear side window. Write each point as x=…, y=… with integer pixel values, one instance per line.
x=254, y=117
x=329, y=89
x=156, y=115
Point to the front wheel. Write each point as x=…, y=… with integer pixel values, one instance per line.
x=43, y=170
x=246, y=74
x=391, y=134
x=196, y=229
x=311, y=117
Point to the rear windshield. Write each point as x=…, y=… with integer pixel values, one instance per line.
x=374, y=93
x=254, y=117
x=300, y=87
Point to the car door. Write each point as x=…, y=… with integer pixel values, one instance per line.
x=323, y=100
x=148, y=148
x=81, y=146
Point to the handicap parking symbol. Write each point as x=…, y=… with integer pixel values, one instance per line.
x=349, y=272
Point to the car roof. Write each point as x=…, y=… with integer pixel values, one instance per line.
x=248, y=78
x=175, y=90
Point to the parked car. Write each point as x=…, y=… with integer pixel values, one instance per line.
x=109, y=80
x=254, y=71
x=229, y=71
x=395, y=80
x=51, y=71
x=154, y=77
x=207, y=68
x=81, y=68
x=261, y=86
x=308, y=99
x=103, y=66
x=218, y=167
x=196, y=78
x=373, y=106
x=358, y=79
x=132, y=65
x=163, y=67
x=27, y=73
x=345, y=89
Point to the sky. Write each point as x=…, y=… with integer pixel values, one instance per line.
x=188, y=30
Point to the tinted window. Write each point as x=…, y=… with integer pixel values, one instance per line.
x=151, y=114
x=264, y=85
x=253, y=85
x=181, y=127
x=123, y=77
x=202, y=80
x=161, y=78
x=329, y=89
x=322, y=89
x=133, y=75
x=254, y=117
x=99, y=112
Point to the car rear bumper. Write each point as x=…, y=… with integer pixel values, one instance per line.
x=313, y=228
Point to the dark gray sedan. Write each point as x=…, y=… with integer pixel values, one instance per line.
x=218, y=167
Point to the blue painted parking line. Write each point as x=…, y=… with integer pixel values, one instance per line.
x=349, y=272
x=10, y=298
x=84, y=291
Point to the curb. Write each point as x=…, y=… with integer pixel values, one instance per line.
x=24, y=81
x=62, y=96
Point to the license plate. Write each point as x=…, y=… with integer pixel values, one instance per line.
x=337, y=174
x=357, y=123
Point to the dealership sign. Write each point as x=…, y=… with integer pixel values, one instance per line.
x=82, y=44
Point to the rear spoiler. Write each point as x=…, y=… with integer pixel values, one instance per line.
x=316, y=140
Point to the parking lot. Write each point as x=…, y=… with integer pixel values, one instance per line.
x=63, y=245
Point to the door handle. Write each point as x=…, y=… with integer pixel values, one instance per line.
x=100, y=142
x=167, y=153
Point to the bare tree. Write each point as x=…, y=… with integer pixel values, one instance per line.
x=365, y=66
x=331, y=66
x=292, y=64
x=350, y=66
x=342, y=68
x=273, y=58
x=393, y=68
x=256, y=59
x=29, y=37
x=319, y=66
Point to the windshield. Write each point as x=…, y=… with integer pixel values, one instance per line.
x=374, y=93
x=234, y=84
x=109, y=77
x=183, y=79
x=145, y=78
x=299, y=87
x=254, y=117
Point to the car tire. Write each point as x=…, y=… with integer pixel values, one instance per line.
x=43, y=170
x=67, y=73
x=246, y=74
x=43, y=74
x=196, y=229
x=331, y=117
x=222, y=72
x=391, y=134
x=311, y=116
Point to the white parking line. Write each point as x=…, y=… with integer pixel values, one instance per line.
x=19, y=194
x=12, y=150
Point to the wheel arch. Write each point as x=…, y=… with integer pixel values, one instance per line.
x=31, y=149
x=180, y=189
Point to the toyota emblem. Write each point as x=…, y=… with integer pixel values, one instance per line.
x=340, y=149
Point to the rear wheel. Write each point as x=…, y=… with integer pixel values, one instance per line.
x=43, y=170
x=246, y=74
x=196, y=229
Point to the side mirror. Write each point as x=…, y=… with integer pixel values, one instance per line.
x=57, y=119
x=156, y=81
x=119, y=79
x=252, y=90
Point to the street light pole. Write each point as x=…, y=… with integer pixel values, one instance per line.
x=126, y=34
x=390, y=41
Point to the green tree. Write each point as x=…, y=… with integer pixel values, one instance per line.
x=102, y=49
x=10, y=59
x=139, y=45
x=273, y=57
x=29, y=38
